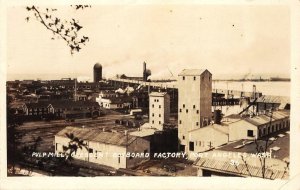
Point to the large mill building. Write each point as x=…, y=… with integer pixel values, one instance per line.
x=194, y=104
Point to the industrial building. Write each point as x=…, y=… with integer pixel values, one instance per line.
x=61, y=109
x=258, y=126
x=194, y=104
x=248, y=158
x=105, y=148
x=159, y=109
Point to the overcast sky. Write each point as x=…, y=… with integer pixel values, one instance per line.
x=226, y=40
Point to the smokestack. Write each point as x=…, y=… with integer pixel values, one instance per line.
x=254, y=91
x=144, y=71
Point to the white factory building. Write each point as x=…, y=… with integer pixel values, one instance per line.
x=194, y=104
x=105, y=148
x=159, y=109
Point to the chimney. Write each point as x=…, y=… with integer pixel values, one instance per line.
x=144, y=71
x=254, y=91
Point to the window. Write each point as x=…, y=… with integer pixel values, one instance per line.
x=96, y=154
x=187, y=111
x=152, y=121
x=159, y=122
x=202, y=78
x=159, y=115
x=191, y=146
x=197, y=111
x=152, y=105
x=194, y=78
x=183, y=105
x=152, y=114
x=157, y=100
x=145, y=151
x=159, y=106
x=179, y=121
x=194, y=106
x=199, y=143
x=183, y=137
x=90, y=150
x=180, y=110
x=250, y=133
x=197, y=123
x=119, y=159
x=209, y=78
x=56, y=146
x=182, y=147
x=183, y=78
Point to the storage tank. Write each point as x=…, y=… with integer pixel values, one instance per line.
x=97, y=72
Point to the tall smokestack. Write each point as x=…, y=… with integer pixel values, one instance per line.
x=144, y=71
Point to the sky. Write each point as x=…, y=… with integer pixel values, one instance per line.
x=231, y=41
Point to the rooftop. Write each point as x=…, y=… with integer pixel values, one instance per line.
x=275, y=140
x=119, y=139
x=192, y=72
x=143, y=132
x=213, y=128
x=273, y=99
x=263, y=119
x=159, y=94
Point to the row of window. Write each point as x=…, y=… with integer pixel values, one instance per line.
x=159, y=115
x=159, y=106
x=273, y=128
x=187, y=111
x=159, y=122
x=156, y=100
x=183, y=106
x=197, y=123
x=195, y=78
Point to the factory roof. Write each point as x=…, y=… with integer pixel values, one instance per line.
x=245, y=153
x=273, y=99
x=212, y=129
x=242, y=169
x=118, y=139
x=160, y=94
x=263, y=119
x=192, y=72
x=143, y=132
x=279, y=139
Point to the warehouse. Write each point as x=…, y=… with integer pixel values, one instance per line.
x=105, y=148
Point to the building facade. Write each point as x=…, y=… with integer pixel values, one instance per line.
x=159, y=109
x=194, y=103
x=105, y=148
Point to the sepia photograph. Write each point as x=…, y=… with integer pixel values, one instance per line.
x=148, y=89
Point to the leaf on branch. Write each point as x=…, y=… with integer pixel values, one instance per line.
x=56, y=20
x=27, y=19
x=77, y=26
